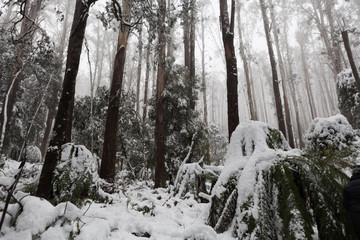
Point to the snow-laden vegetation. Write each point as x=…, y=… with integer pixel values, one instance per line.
x=265, y=190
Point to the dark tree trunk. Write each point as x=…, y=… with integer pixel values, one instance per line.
x=186, y=29
x=107, y=170
x=27, y=31
x=278, y=104
x=192, y=39
x=290, y=135
x=64, y=114
x=147, y=75
x=160, y=172
x=354, y=69
x=227, y=29
x=140, y=47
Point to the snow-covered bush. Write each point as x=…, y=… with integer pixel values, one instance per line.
x=333, y=133
x=349, y=97
x=192, y=177
x=76, y=174
x=269, y=191
x=33, y=154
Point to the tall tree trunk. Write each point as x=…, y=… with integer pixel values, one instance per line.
x=51, y=105
x=49, y=125
x=27, y=31
x=354, y=69
x=307, y=79
x=278, y=104
x=170, y=39
x=203, y=77
x=253, y=114
x=192, y=39
x=227, y=29
x=139, y=69
x=290, y=135
x=160, y=172
x=66, y=103
x=107, y=169
x=186, y=29
x=147, y=75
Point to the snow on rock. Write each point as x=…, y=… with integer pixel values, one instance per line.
x=329, y=133
x=36, y=216
x=76, y=174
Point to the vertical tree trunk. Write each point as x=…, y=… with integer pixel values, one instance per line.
x=354, y=69
x=147, y=75
x=192, y=40
x=139, y=68
x=27, y=31
x=278, y=104
x=290, y=135
x=307, y=80
x=170, y=39
x=65, y=107
x=51, y=105
x=227, y=29
x=186, y=29
x=253, y=114
x=160, y=172
x=203, y=77
x=107, y=170
x=49, y=125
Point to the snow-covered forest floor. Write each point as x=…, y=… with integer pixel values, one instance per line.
x=134, y=211
x=265, y=188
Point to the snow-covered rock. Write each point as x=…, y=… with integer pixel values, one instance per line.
x=76, y=174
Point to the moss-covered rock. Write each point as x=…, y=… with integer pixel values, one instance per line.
x=76, y=175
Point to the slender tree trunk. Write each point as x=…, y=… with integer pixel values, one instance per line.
x=203, y=76
x=354, y=69
x=192, y=40
x=108, y=163
x=170, y=40
x=307, y=80
x=27, y=31
x=139, y=68
x=227, y=29
x=65, y=107
x=253, y=114
x=160, y=172
x=186, y=29
x=49, y=125
x=290, y=135
x=147, y=75
x=278, y=103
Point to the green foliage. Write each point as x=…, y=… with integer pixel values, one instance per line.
x=135, y=141
x=40, y=66
x=293, y=194
x=349, y=97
